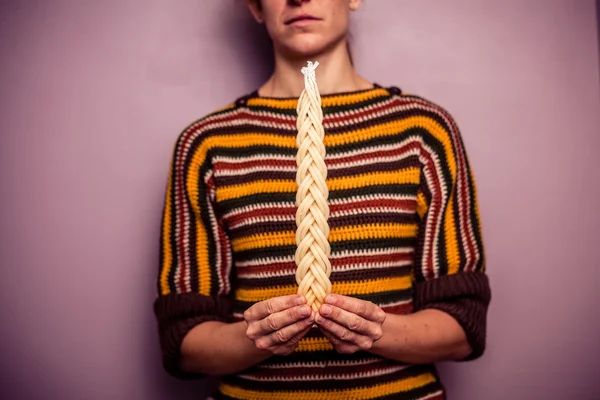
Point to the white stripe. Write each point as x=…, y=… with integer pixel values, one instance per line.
x=292, y=206
x=432, y=228
x=223, y=286
x=352, y=267
x=336, y=214
x=432, y=395
x=338, y=254
x=395, y=303
x=321, y=364
x=319, y=377
x=340, y=166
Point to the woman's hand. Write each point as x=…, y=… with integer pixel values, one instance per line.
x=350, y=324
x=278, y=324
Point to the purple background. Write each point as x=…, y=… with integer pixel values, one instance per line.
x=94, y=95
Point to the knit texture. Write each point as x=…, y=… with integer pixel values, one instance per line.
x=405, y=234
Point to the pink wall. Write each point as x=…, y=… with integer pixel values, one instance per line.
x=95, y=93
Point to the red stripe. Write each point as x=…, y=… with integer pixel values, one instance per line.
x=400, y=309
x=407, y=205
x=261, y=212
x=330, y=370
x=405, y=148
x=403, y=205
x=435, y=205
x=233, y=166
x=181, y=230
x=222, y=242
x=335, y=263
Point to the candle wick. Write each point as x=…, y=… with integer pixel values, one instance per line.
x=309, y=70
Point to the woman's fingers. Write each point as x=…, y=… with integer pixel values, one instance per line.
x=365, y=309
x=344, y=334
x=340, y=345
x=265, y=308
x=290, y=346
x=277, y=321
x=351, y=321
x=285, y=334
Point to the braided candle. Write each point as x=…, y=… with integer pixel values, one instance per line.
x=312, y=254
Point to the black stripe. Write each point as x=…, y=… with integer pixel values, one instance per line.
x=417, y=393
x=247, y=151
x=336, y=222
x=407, y=189
x=290, y=198
x=326, y=110
x=329, y=384
x=336, y=247
x=204, y=204
x=171, y=198
x=474, y=218
x=257, y=176
x=341, y=276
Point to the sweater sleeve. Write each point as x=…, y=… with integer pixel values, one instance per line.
x=449, y=260
x=195, y=252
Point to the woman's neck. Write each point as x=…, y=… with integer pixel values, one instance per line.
x=335, y=74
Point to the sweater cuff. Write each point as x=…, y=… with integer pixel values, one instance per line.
x=465, y=296
x=177, y=314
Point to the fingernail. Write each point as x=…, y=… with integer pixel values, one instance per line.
x=299, y=300
x=325, y=310
x=330, y=299
x=304, y=311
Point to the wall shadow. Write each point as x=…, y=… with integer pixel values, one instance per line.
x=252, y=48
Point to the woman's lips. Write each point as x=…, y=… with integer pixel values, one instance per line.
x=303, y=19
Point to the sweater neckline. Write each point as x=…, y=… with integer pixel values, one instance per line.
x=255, y=94
x=327, y=100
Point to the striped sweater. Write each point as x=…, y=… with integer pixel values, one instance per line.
x=405, y=235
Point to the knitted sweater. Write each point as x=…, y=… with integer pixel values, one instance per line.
x=405, y=234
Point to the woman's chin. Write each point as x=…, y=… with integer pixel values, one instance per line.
x=305, y=50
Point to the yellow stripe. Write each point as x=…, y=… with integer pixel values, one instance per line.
x=202, y=252
x=452, y=254
x=314, y=344
x=478, y=232
x=370, y=392
x=326, y=101
x=422, y=205
x=167, y=250
x=255, y=187
x=350, y=288
x=405, y=176
x=355, y=232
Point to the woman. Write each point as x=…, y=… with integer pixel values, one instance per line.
x=408, y=283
